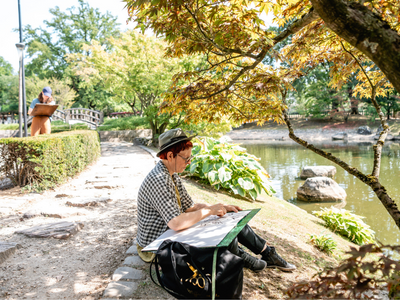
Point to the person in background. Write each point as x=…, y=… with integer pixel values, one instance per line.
x=41, y=124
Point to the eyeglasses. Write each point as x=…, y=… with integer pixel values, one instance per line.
x=187, y=160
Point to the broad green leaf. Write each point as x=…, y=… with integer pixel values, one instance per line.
x=213, y=176
x=246, y=183
x=241, y=191
x=226, y=156
x=207, y=166
x=223, y=174
x=253, y=194
x=193, y=167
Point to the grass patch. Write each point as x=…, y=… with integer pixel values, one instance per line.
x=126, y=123
x=9, y=126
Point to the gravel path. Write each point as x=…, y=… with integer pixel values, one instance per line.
x=83, y=265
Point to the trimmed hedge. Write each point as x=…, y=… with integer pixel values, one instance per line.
x=47, y=160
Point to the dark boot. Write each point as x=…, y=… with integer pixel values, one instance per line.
x=251, y=262
x=275, y=261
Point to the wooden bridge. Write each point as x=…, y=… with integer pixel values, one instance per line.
x=92, y=117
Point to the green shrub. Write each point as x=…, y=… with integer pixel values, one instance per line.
x=347, y=224
x=228, y=166
x=125, y=123
x=323, y=242
x=47, y=160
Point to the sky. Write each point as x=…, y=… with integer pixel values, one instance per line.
x=34, y=12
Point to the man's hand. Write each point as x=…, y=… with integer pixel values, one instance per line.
x=218, y=210
x=233, y=208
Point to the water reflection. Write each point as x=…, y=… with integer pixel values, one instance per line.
x=285, y=160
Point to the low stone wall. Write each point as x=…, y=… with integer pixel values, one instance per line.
x=124, y=135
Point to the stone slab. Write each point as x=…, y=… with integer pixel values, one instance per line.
x=134, y=261
x=120, y=289
x=59, y=230
x=81, y=202
x=127, y=273
x=132, y=250
x=7, y=249
x=51, y=213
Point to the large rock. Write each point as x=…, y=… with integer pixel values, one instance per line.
x=364, y=130
x=59, y=230
x=340, y=136
x=320, y=189
x=317, y=171
x=7, y=249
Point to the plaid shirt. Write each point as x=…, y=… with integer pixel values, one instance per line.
x=157, y=203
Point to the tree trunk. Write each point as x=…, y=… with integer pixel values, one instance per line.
x=366, y=31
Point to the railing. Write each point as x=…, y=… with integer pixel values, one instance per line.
x=89, y=116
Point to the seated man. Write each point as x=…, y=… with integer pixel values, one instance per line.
x=163, y=203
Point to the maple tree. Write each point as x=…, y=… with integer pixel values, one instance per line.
x=358, y=38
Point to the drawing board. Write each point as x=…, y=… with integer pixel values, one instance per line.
x=42, y=109
x=209, y=232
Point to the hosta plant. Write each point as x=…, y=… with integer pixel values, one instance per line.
x=347, y=224
x=323, y=242
x=228, y=166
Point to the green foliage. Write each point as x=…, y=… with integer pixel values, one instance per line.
x=125, y=123
x=347, y=224
x=9, y=91
x=5, y=67
x=323, y=242
x=208, y=129
x=228, y=166
x=47, y=160
x=66, y=33
x=135, y=72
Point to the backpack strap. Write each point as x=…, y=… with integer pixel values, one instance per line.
x=214, y=273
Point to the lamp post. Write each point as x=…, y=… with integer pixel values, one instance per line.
x=22, y=95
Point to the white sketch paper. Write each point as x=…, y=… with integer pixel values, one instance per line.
x=209, y=232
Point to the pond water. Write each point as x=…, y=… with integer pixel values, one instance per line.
x=285, y=160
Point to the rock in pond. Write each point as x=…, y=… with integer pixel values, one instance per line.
x=317, y=171
x=340, y=136
x=364, y=130
x=321, y=189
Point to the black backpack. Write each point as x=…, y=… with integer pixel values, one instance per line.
x=188, y=272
